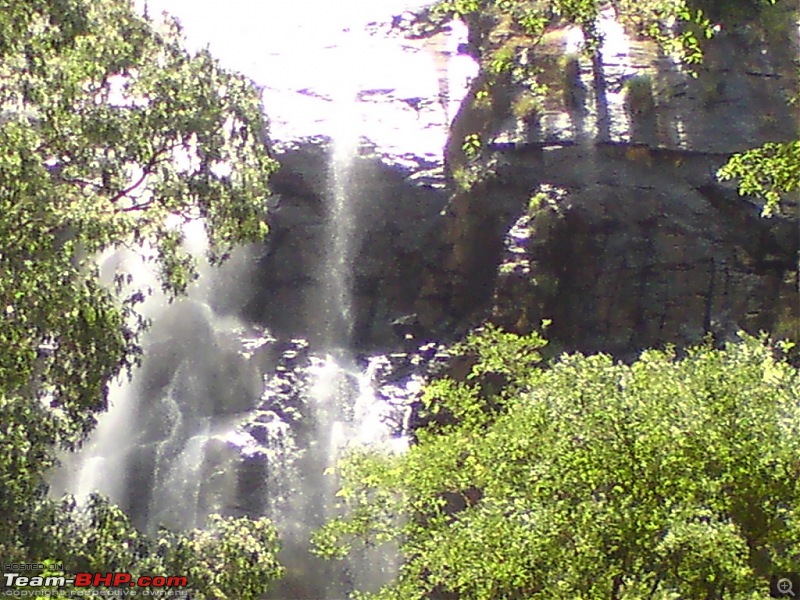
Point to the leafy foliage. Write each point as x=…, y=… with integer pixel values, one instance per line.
x=111, y=136
x=472, y=145
x=231, y=558
x=768, y=172
x=676, y=24
x=668, y=478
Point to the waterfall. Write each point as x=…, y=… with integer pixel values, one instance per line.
x=343, y=406
x=342, y=214
x=164, y=449
x=222, y=417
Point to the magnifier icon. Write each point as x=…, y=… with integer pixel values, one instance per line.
x=785, y=587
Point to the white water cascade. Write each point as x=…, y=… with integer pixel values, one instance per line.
x=342, y=217
x=224, y=418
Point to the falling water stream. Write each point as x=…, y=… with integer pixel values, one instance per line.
x=221, y=416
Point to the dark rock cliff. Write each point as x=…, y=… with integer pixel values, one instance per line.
x=399, y=228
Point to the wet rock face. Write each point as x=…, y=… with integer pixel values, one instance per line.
x=399, y=224
x=633, y=242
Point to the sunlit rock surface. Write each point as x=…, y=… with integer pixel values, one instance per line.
x=633, y=242
x=312, y=56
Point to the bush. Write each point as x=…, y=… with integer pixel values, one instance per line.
x=230, y=558
x=673, y=477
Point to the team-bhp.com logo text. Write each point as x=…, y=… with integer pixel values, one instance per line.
x=78, y=580
x=55, y=578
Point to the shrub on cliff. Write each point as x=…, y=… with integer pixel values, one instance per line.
x=770, y=172
x=673, y=477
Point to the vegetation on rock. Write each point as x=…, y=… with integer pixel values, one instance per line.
x=770, y=172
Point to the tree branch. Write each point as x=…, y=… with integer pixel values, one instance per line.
x=147, y=170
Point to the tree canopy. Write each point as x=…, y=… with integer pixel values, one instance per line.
x=112, y=136
x=672, y=477
x=229, y=558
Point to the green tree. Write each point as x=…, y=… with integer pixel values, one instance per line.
x=111, y=136
x=672, y=477
x=769, y=172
